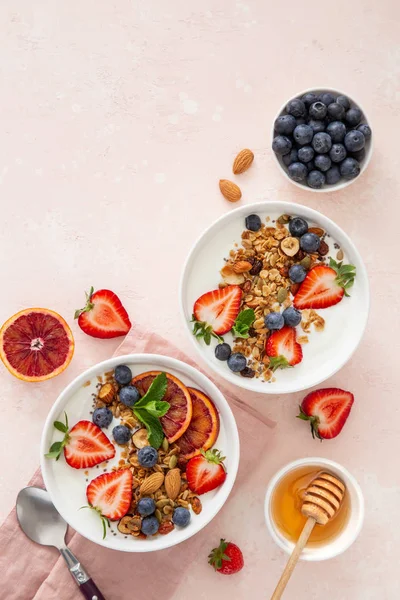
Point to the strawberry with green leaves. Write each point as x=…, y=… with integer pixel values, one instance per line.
x=215, y=312
x=227, y=559
x=325, y=286
x=283, y=349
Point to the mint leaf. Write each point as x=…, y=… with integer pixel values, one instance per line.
x=60, y=426
x=201, y=329
x=154, y=430
x=156, y=391
x=243, y=322
x=55, y=450
x=157, y=409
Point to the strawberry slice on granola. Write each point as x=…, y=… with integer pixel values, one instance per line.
x=215, y=312
x=283, y=349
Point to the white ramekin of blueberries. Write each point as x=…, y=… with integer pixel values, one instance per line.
x=322, y=140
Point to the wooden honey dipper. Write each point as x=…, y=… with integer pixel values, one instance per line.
x=322, y=499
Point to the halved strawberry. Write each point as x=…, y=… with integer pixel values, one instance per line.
x=283, y=349
x=205, y=472
x=327, y=411
x=110, y=495
x=215, y=312
x=103, y=316
x=325, y=286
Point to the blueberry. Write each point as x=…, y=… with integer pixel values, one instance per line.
x=274, y=321
x=121, y=434
x=303, y=134
x=281, y=145
x=316, y=125
x=353, y=116
x=318, y=111
x=333, y=175
x=350, y=168
x=129, y=395
x=237, y=362
x=310, y=242
x=309, y=98
x=297, y=273
x=298, y=226
x=102, y=417
x=223, y=351
x=297, y=171
x=310, y=166
x=322, y=142
x=253, y=222
x=296, y=107
x=122, y=374
x=327, y=98
x=359, y=155
x=290, y=158
x=146, y=507
x=337, y=153
x=336, y=111
x=147, y=457
x=285, y=124
x=181, y=517
x=150, y=525
x=305, y=154
x=322, y=162
x=365, y=130
x=343, y=101
x=292, y=316
x=337, y=131
x=354, y=140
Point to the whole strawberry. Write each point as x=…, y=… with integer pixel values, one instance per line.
x=227, y=558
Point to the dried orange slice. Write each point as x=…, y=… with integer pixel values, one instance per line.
x=36, y=344
x=204, y=426
x=178, y=417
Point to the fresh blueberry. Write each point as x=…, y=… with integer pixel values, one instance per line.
x=121, y=434
x=310, y=242
x=253, y=222
x=298, y=226
x=223, y=351
x=290, y=158
x=333, y=175
x=237, y=362
x=353, y=116
x=305, y=154
x=303, y=134
x=336, y=111
x=359, y=155
x=297, y=274
x=310, y=166
x=354, y=140
x=296, y=107
x=318, y=111
x=285, y=124
x=129, y=395
x=350, y=168
x=365, y=130
x=309, y=98
x=322, y=142
x=316, y=125
x=146, y=507
x=337, y=131
x=292, y=316
x=297, y=171
x=147, y=457
x=337, y=153
x=181, y=517
x=274, y=321
x=122, y=374
x=343, y=101
x=327, y=98
x=102, y=417
x=150, y=525
x=322, y=162
x=281, y=145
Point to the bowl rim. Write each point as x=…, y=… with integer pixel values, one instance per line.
x=204, y=383
x=336, y=186
x=359, y=510
x=287, y=208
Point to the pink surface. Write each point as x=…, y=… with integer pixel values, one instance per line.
x=118, y=119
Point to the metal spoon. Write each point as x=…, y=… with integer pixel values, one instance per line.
x=41, y=522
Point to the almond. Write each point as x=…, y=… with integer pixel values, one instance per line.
x=106, y=393
x=243, y=161
x=317, y=230
x=173, y=483
x=230, y=190
x=152, y=483
x=242, y=266
x=290, y=246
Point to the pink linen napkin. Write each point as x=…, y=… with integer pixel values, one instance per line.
x=41, y=573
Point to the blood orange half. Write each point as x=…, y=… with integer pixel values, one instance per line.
x=203, y=429
x=36, y=344
x=177, y=419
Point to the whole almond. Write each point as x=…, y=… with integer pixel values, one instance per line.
x=152, y=483
x=243, y=161
x=242, y=266
x=317, y=230
x=230, y=190
x=173, y=483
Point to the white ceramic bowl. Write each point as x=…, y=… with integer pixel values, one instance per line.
x=344, y=539
x=368, y=145
x=67, y=486
x=327, y=351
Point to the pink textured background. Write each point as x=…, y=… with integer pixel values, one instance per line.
x=117, y=120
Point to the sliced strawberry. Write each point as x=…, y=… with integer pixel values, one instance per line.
x=111, y=494
x=327, y=411
x=103, y=316
x=205, y=472
x=87, y=446
x=325, y=286
x=283, y=349
x=218, y=309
